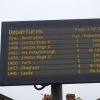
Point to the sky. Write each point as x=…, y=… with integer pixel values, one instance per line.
x=30, y=10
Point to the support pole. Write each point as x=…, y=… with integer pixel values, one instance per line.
x=56, y=91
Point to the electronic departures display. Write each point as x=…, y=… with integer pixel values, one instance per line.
x=56, y=51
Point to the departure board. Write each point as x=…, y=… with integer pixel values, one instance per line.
x=51, y=51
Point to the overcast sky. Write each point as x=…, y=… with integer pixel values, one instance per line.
x=25, y=10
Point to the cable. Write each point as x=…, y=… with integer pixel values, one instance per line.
x=42, y=87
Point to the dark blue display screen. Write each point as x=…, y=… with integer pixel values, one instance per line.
x=46, y=52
